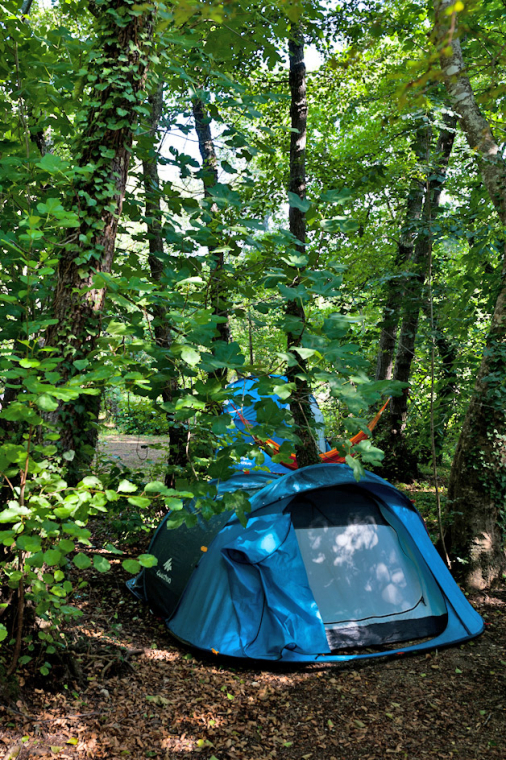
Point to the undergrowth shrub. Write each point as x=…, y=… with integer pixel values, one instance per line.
x=133, y=414
x=43, y=518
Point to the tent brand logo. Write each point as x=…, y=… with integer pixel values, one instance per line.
x=167, y=566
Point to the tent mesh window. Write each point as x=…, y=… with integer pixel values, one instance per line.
x=369, y=586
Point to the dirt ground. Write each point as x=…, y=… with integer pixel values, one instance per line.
x=130, y=691
x=135, y=451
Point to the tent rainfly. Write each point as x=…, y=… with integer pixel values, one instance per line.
x=326, y=567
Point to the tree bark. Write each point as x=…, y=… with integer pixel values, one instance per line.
x=217, y=289
x=395, y=286
x=400, y=460
x=105, y=145
x=477, y=488
x=161, y=325
x=300, y=407
x=447, y=388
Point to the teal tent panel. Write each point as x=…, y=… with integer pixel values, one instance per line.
x=205, y=616
x=270, y=591
x=471, y=619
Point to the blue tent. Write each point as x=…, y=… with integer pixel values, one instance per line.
x=325, y=569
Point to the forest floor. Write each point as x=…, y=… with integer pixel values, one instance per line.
x=132, y=692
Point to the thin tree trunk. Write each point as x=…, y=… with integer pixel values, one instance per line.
x=477, y=488
x=217, y=291
x=395, y=286
x=447, y=388
x=106, y=145
x=306, y=451
x=161, y=325
x=399, y=457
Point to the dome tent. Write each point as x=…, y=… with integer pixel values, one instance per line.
x=325, y=564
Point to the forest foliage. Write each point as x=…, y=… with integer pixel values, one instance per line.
x=150, y=255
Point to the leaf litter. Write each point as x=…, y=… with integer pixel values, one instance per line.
x=133, y=693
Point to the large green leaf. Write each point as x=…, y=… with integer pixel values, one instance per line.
x=101, y=564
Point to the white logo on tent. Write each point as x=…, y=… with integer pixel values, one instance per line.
x=167, y=566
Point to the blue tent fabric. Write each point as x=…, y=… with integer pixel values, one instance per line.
x=274, y=605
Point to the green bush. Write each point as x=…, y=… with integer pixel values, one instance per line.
x=136, y=414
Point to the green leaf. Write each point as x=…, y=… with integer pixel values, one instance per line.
x=224, y=196
x=173, y=504
x=336, y=196
x=147, y=560
x=226, y=355
x=66, y=546
x=46, y=403
x=131, y=566
x=113, y=549
x=175, y=521
x=3, y=632
x=139, y=501
x=296, y=259
x=12, y=513
x=30, y=544
x=101, y=564
x=52, y=557
x=82, y=561
x=52, y=164
x=126, y=487
x=301, y=203
x=305, y=353
x=59, y=592
x=190, y=356
x=64, y=512
x=156, y=486
x=90, y=481
x=358, y=470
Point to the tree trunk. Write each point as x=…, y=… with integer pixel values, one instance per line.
x=161, y=325
x=217, y=288
x=477, y=488
x=447, y=388
x=105, y=144
x=400, y=460
x=395, y=286
x=300, y=407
